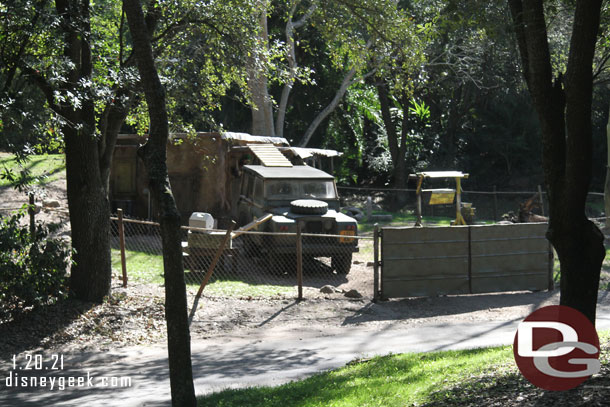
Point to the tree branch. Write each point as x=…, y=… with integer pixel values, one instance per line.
x=292, y=64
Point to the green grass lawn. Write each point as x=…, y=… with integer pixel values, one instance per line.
x=43, y=168
x=397, y=380
x=453, y=378
x=147, y=268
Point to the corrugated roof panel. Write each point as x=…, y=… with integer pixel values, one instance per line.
x=295, y=172
x=269, y=155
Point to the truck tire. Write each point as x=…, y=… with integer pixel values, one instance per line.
x=308, y=207
x=342, y=263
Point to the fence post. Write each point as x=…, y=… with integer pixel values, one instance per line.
x=376, y=263
x=208, y=275
x=551, y=271
x=122, y=245
x=540, y=199
x=217, y=255
x=470, y=259
x=299, y=262
x=495, y=204
x=32, y=212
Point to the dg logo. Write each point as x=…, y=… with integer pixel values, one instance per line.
x=556, y=348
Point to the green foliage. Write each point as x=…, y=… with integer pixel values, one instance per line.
x=420, y=111
x=505, y=141
x=33, y=271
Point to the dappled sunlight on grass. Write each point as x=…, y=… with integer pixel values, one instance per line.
x=396, y=380
x=148, y=268
x=141, y=267
x=49, y=166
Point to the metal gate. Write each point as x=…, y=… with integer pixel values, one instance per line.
x=464, y=260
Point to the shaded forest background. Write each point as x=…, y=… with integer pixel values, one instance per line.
x=462, y=103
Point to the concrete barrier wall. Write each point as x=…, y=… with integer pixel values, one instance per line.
x=509, y=257
x=464, y=259
x=424, y=261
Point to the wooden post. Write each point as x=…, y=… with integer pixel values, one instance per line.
x=495, y=204
x=470, y=259
x=122, y=246
x=32, y=213
x=369, y=208
x=551, y=268
x=299, y=262
x=541, y=199
x=459, y=220
x=376, y=263
x=208, y=275
x=221, y=248
x=420, y=180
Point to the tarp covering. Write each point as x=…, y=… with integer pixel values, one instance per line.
x=440, y=174
x=253, y=139
x=309, y=152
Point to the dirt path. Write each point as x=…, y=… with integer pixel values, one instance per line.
x=135, y=316
x=275, y=350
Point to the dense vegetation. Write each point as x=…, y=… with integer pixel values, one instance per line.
x=436, y=84
x=33, y=267
x=397, y=86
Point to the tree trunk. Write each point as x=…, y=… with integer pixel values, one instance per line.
x=292, y=63
x=154, y=155
x=110, y=124
x=607, y=184
x=89, y=217
x=262, y=111
x=87, y=199
x=390, y=126
x=564, y=109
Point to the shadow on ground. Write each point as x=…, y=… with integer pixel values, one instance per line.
x=426, y=307
x=29, y=329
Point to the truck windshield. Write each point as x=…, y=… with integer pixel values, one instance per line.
x=299, y=189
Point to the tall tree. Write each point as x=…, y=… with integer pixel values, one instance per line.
x=563, y=104
x=154, y=155
x=76, y=55
x=57, y=57
x=71, y=98
x=354, y=35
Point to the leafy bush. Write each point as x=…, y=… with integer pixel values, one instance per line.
x=32, y=271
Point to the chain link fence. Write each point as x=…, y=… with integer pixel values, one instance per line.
x=250, y=263
x=494, y=205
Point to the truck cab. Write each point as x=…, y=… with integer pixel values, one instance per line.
x=296, y=195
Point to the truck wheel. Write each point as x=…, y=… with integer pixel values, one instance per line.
x=342, y=263
x=308, y=207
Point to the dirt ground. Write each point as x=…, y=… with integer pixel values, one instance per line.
x=12, y=199
x=135, y=316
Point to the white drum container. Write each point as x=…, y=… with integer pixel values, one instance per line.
x=201, y=220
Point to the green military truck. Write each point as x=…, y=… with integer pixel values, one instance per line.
x=294, y=194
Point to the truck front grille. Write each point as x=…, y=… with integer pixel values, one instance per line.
x=313, y=227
